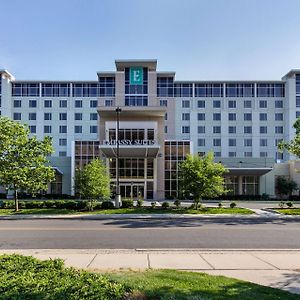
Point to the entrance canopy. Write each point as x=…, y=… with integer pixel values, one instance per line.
x=248, y=171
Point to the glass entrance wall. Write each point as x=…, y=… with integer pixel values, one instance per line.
x=132, y=134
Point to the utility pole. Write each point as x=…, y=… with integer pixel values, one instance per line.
x=118, y=195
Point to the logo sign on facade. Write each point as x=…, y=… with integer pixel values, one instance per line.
x=131, y=142
x=136, y=75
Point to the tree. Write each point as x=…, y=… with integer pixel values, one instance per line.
x=23, y=162
x=285, y=186
x=92, y=182
x=202, y=177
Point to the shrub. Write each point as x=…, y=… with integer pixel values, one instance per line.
x=70, y=204
x=34, y=204
x=82, y=205
x=139, y=202
x=50, y=204
x=8, y=204
x=220, y=205
x=97, y=205
x=165, y=205
x=232, y=205
x=107, y=205
x=127, y=203
x=281, y=204
x=22, y=204
x=60, y=204
x=177, y=203
x=289, y=204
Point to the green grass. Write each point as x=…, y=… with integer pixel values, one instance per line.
x=288, y=211
x=25, y=278
x=135, y=210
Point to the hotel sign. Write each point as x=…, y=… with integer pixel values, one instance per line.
x=136, y=75
x=130, y=142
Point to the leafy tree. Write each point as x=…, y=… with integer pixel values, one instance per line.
x=92, y=182
x=202, y=177
x=23, y=159
x=285, y=186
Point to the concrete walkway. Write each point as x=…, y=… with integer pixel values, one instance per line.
x=275, y=268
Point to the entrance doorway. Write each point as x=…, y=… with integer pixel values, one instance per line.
x=132, y=190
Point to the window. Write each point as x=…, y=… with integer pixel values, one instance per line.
x=32, y=103
x=47, y=103
x=277, y=141
x=217, y=142
x=297, y=101
x=232, y=142
x=185, y=117
x=17, y=116
x=48, y=116
x=231, y=104
x=231, y=154
x=93, y=129
x=232, y=117
x=93, y=116
x=166, y=129
x=17, y=103
x=108, y=102
x=185, y=129
x=201, y=142
x=278, y=117
x=32, y=128
x=270, y=89
x=248, y=154
x=263, y=129
x=93, y=103
x=278, y=104
x=32, y=116
x=201, y=104
x=55, y=89
x=263, y=117
x=27, y=89
x=62, y=142
x=78, y=129
x=78, y=103
x=217, y=117
x=47, y=129
x=201, y=153
x=166, y=116
x=263, y=154
x=247, y=103
x=217, y=129
x=279, y=129
x=240, y=90
x=62, y=153
x=248, y=117
x=163, y=102
x=263, y=142
x=216, y=104
x=201, y=129
x=63, y=116
x=217, y=154
x=63, y=103
x=232, y=129
x=78, y=116
x=247, y=129
x=209, y=90
x=278, y=155
x=185, y=103
x=263, y=104
x=247, y=142
x=201, y=116
x=297, y=114
x=62, y=129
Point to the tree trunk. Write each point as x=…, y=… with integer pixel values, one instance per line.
x=16, y=200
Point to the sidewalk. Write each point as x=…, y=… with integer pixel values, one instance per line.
x=275, y=268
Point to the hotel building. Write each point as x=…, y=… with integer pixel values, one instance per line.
x=161, y=121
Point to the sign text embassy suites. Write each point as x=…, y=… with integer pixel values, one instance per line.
x=162, y=121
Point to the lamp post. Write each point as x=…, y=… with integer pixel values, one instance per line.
x=118, y=195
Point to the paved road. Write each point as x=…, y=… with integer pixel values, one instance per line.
x=145, y=234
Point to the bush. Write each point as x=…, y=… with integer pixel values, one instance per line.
x=165, y=205
x=289, y=204
x=232, y=205
x=107, y=205
x=127, y=203
x=8, y=204
x=139, y=202
x=220, y=205
x=70, y=204
x=97, y=205
x=22, y=204
x=34, y=204
x=177, y=203
x=50, y=204
x=281, y=204
x=60, y=204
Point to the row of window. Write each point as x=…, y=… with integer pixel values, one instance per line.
x=48, y=116
x=63, y=129
x=232, y=129
x=62, y=103
x=278, y=155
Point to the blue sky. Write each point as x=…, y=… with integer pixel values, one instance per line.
x=199, y=39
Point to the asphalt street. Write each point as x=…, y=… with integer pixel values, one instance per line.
x=217, y=233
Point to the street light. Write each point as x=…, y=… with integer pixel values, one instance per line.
x=118, y=195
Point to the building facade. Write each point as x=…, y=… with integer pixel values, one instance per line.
x=161, y=121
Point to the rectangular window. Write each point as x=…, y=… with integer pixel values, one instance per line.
x=297, y=101
x=201, y=142
x=231, y=154
x=247, y=129
x=217, y=117
x=232, y=142
x=216, y=129
x=108, y=102
x=263, y=117
x=93, y=103
x=217, y=142
x=62, y=142
x=201, y=116
x=47, y=129
x=279, y=129
x=78, y=116
x=93, y=129
x=48, y=116
x=278, y=104
x=278, y=155
x=78, y=103
x=17, y=103
x=277, y=141
x=263, y=154
x=247, y=142
x=248, y=117
x=232, y=117
x=263, y=129
x=263, y=104
x=263, y=142
x=63, y=103
x=248, y=154
x=217, y=154
x=201, y=103
x=216, y=104
x=166, y=116
x=232, y=129
x=247, y=104
x=297, y=114
x=47, y=103
x=163, y=102
x=278, y=117
x=62, y=116
x=32, y=103
x=32, y=116
x=185, y=103
x=17, y=116
x=231, y=104
x=93, y=116
x=185, y=129
x=209, y=90
x=185, y=117
x=78, y=129
x=62, y=153
x=62, y=129
x=32, y=128
x=201, y=129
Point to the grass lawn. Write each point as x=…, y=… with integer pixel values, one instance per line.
x=24, y=277
x=135, y=210
x=288, y=211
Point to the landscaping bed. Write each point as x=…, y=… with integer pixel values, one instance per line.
x=24, y=277
x=288, y=211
